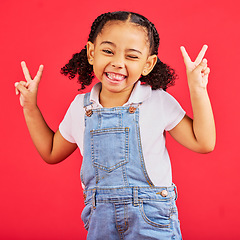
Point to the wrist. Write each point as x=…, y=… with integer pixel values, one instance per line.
x=197, y=90
x=28, y=111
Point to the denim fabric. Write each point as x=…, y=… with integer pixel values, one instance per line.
x=121, y=201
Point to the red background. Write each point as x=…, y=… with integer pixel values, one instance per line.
x=40, y=201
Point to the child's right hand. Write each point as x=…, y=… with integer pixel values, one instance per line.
x=52, y=147
x=28, y=90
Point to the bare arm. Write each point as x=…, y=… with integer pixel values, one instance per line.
x=52, y=147
x=198, y=134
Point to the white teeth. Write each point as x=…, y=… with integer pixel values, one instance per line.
x=114, y=76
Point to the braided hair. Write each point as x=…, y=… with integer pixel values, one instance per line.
x=161, y=76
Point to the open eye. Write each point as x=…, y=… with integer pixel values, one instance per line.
x=107, y=51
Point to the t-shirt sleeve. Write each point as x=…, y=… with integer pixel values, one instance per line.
x=66, y=127
x=173, y=112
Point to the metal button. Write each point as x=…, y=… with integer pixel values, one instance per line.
x=89, y=113
x=164, y=193
x=131, y=109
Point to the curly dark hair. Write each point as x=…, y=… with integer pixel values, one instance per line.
x=162, y=76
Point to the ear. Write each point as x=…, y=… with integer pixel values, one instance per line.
x=150, y=63
x=90, y=52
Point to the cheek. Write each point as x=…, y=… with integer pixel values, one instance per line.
x=98, y=66
x=136, y=69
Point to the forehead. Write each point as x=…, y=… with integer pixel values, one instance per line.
x=124, y=32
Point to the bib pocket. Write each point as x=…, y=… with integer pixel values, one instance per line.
x=110, y=148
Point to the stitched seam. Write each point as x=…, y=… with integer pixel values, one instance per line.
x=129, y=200
x=125, y=179
x=143, y=167
x=118, y=222
x=147, y=220
x=130, y=187
x=86, y=226
x=125, y=131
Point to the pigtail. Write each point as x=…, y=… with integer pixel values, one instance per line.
x=78, y=65
x=162, y=76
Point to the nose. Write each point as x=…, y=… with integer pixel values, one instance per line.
x=118, y=61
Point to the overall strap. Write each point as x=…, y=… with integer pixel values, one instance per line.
x=87, y=100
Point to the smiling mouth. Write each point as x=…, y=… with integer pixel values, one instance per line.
x=115, y=76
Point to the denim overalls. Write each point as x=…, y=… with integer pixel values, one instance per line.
x=121, y=201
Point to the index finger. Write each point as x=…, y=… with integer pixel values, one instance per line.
x=185, y=55
x=26, y=72
x=201, y=54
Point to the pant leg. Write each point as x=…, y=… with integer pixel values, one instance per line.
x=101, y=222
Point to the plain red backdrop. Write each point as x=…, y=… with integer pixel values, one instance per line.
x=40, y=201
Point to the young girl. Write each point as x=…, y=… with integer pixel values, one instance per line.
x=120, y=127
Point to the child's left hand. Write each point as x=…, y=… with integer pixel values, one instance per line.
x=197, y=134
x=197, y=71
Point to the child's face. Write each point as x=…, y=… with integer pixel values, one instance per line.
x=120, y=55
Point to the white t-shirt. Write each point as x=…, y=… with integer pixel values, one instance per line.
x=159, y=112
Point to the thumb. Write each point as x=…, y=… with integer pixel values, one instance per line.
x=20, y=88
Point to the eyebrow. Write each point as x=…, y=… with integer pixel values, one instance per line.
x=111, y=43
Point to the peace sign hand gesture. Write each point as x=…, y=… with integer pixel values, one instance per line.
x=197, y=71
x=28, y=90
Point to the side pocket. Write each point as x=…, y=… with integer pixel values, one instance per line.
x=156, y=213
x=86, y=215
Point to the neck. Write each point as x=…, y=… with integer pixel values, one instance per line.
x=110, y=99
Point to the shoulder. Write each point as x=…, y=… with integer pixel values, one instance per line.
x=160, y=96
x=79, y=97
x=78, y=100
x=77, y=105
x=160, y=93
x=163, y=103
x=163, y=97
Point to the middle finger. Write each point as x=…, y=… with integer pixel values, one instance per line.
x=201, y=54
